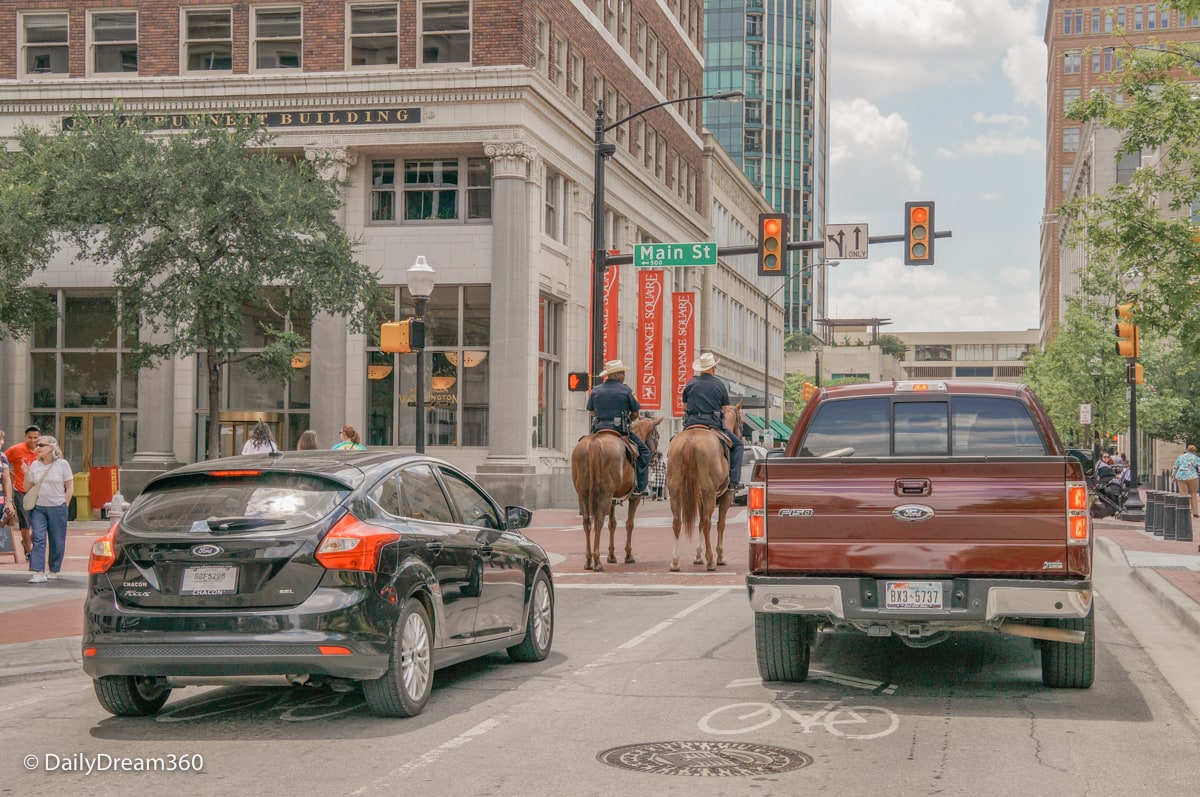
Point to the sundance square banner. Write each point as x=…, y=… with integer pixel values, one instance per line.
x=650, y=310
x=612, y=310
x=684, y=350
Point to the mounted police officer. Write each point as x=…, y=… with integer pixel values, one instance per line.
x=705, y=398
x=614, y=406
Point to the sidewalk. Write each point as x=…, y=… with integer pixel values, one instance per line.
x=41, y=624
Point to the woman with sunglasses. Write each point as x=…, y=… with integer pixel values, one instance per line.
x=48, y=515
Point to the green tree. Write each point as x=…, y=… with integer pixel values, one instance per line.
x=197, y=225
x=890, y=344
x=27, y=241
x=800, y=341
x=1081, y=366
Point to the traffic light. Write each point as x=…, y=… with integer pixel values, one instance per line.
x=1139, y=375
x=807, y=389
x=918, y=233
x=1127, y=331
x=579, y=381
x=772, y=243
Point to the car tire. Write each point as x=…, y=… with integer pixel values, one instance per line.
x=539, y=624
x=404, y=689
x=131, y=695
x=783, y=643
x=1066, y=665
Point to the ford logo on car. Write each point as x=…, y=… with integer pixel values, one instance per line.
x=207, y=550
x=912, y=513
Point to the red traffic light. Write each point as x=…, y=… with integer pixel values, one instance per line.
x=772, y=243
x=918, y=233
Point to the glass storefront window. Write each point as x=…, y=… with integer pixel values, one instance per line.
x=45, y=379
x=89, y=380
x=90, y=322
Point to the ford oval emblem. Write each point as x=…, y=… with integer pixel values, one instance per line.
x=207, y=550
x=912, y=513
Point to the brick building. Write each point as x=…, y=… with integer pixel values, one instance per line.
x=464, y=130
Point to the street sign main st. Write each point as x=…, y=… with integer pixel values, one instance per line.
x=702, y=253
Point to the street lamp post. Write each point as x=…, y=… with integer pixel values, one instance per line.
x=603, y=150
x=767, y=337
x=421, y=279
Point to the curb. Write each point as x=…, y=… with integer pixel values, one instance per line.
x=46, y=657
x=1179, y=605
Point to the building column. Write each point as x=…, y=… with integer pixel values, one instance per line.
x=327, y=410
x=155, y=452
x=508, y=473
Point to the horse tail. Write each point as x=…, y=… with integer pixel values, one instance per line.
x=689, y=498
x=595, y=493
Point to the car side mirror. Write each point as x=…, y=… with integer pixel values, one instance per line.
x=517, y=517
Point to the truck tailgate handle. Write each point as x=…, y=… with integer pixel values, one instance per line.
x=913, y=487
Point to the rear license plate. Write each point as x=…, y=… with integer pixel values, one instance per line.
x=914, y=595
x=209, y=581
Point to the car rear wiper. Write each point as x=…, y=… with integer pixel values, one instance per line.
x=240, y=523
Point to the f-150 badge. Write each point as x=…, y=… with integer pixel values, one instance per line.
x=912, y=513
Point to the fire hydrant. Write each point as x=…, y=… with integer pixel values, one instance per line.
x=117, y=506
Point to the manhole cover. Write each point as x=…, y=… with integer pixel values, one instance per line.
x=640, y=593
x=705, y=759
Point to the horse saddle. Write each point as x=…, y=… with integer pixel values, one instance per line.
x=631, y=451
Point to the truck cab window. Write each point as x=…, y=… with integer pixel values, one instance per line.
x=861, y=424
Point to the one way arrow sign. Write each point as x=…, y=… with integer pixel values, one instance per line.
x=846, y=241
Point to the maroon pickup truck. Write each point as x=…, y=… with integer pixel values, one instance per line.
x=920, y=509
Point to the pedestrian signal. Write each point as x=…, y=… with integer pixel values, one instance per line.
x=579, y=381
x=1127, y=331
x=395, y=336
x=918, y=233
x=772, y=243
x=807, y=390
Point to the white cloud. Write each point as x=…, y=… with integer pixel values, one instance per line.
x=1002, y=145
x=933, y=299
x=866, y=144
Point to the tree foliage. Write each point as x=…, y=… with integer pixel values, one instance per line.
x=198, y=224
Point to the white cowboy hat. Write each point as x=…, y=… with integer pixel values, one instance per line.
x=706, y=361
x=612, y=367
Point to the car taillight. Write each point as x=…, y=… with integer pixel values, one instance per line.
x=353, y=545
x=756, y=511
x=104, y=551
x=1079, y=520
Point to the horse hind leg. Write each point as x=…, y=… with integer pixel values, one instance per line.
x=675, y=526
x=612, y=532
x=722, y=511
x=587, y=542
x=633, y=505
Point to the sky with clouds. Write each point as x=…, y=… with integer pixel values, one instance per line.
x=939, y=100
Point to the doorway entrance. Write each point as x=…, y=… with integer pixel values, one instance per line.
x=89, y=440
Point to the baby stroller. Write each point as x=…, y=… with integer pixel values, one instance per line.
x=1108, y=491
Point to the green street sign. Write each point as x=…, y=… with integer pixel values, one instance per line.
x=675, y=255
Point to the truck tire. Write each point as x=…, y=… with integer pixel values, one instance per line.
x=784, y=645
x=1069, y=666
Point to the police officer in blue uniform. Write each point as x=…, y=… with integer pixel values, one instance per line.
x=705, y=398
x=614, y=406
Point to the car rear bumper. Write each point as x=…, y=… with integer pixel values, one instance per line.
x=345, y=635
x=965, y=600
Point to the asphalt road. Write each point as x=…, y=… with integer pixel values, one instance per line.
x=670, y=672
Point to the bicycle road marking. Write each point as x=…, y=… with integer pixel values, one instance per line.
x=833, y=715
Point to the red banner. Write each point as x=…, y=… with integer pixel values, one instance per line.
x=685, y=348
x=651, y=299
x=612, y=310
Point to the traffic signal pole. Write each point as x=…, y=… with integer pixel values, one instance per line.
x=793, y=246
x=1135, y=508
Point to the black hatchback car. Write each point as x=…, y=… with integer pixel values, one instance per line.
x=325, y=567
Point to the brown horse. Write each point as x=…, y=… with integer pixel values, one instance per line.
x=603, y=475
x=697, y=480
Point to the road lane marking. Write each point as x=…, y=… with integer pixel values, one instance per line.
x=642, y=637
x=432, y=756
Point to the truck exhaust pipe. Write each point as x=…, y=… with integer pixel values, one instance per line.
x=1043, y=632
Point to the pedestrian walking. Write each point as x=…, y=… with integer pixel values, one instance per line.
x=260, y=440
x=8, y=515
x=658, y=476
x=20, y=457
x=350, y=439
x=51, y=484
x=1186, y=473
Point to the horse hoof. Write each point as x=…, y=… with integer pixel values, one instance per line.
x=698, y=561
x=721, y=561
x=587, y=565
x=674, y=568
x=711, y=567
x=612, y=560
x=629, y=560
x=599, y=567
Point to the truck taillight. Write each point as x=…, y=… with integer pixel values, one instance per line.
x=1079, y=521
x=756, y=511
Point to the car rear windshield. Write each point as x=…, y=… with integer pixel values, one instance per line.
x=964, y=426
x=266, y=502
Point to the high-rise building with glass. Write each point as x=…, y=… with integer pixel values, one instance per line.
x=776, y=51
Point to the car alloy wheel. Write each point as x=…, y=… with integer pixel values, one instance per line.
x=404, y=689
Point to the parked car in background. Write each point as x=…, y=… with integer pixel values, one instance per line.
x=346, y=568
x=752, y=455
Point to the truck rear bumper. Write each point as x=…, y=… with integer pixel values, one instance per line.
x=965, y=600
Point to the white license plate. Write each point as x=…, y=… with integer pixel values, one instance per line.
x=209, y=581
x=913, y=595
